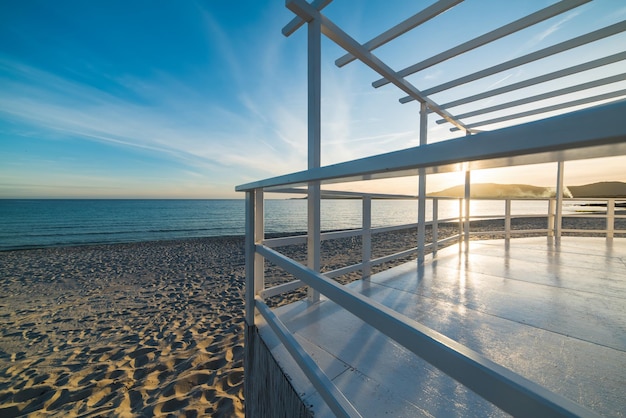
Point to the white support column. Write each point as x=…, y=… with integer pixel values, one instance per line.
x=507, y=220
x=466, y=220
x=366, y=239
x=551, y=212
x=259, y=236
x=435, y=227
x=314, y=148
x=421, y=193
x=558, y=220
x=250, y=257
x=610, y=218
x=461, y=221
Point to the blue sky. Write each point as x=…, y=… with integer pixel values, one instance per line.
x=186, y=99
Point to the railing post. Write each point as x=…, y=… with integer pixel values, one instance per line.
x=259, y=236
x=610, y=218
x=435, y=226
x=421, y=192
x=558, y=222
x=466, y=226
x=366, y=239
x=250, y=257
x=551, y=212
x=314, y=34
x=507, y=220
x=460, y=221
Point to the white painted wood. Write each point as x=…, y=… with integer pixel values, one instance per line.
x=529, y=306
x=421, y=204
x=466, y=205
x=314, y=147
x=589, y=133
x=590, y=65
x=259, y=235
x=548, y=95
x=297, y=22
x=533, y=56
x=281, y=288
x=333, y=397
x=558, y=219
x=414, y=21
x=610, y=218
x=551, y=108
x=551, y=218
x=366, y=239
x=490, y=285
x=341, y=38
x=250, y=257
x=435, y=226
x=523, y=23
x=507, y=219
x=506, y=389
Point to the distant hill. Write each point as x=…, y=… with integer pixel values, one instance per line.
x=602, y=189
x=494, y=190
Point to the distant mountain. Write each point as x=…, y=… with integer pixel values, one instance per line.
x=602, y=189
x=493, y=190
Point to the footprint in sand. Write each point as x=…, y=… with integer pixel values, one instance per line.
x=171, y=405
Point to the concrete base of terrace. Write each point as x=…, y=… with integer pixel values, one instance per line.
x=553, y=314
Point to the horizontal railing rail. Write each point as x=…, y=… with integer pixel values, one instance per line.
x=333, y=397
x=508, y=231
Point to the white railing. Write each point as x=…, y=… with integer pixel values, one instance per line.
x=590, y=133
x=508, y=231
x=502, y=387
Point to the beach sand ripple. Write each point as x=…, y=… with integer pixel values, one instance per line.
x=123, y=330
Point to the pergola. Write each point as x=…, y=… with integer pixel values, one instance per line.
x=597, y=130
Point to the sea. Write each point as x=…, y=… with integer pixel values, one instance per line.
x=33, y=223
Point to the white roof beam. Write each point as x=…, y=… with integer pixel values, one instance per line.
x=539, y=111
x=533, y=56
x=593, y=132
x=297, y=21
x=543, y=96
x=532, y=19
x=401, y=28
x=333, y=32
x=532, y=81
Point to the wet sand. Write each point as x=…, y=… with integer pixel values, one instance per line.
x=141, y=329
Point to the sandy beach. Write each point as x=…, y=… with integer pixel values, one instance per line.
x=138, y=329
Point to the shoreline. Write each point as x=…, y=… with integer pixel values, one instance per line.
x=143, y=328
x=583, y=217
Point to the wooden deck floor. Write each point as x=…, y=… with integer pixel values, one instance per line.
x=554, y=315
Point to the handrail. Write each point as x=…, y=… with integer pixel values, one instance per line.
x=330, y=393
x=609, y=231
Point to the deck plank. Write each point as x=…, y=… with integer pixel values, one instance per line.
x=555, y=315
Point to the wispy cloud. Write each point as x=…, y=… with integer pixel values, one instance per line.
x=182, y=124
x=433, y=75
x=550, y=30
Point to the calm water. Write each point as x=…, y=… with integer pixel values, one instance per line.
x=41, y=223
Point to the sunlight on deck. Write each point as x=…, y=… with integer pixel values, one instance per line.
x=555, y=315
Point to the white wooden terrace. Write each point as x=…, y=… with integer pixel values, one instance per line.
x=554, y=315
x=528, y=327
